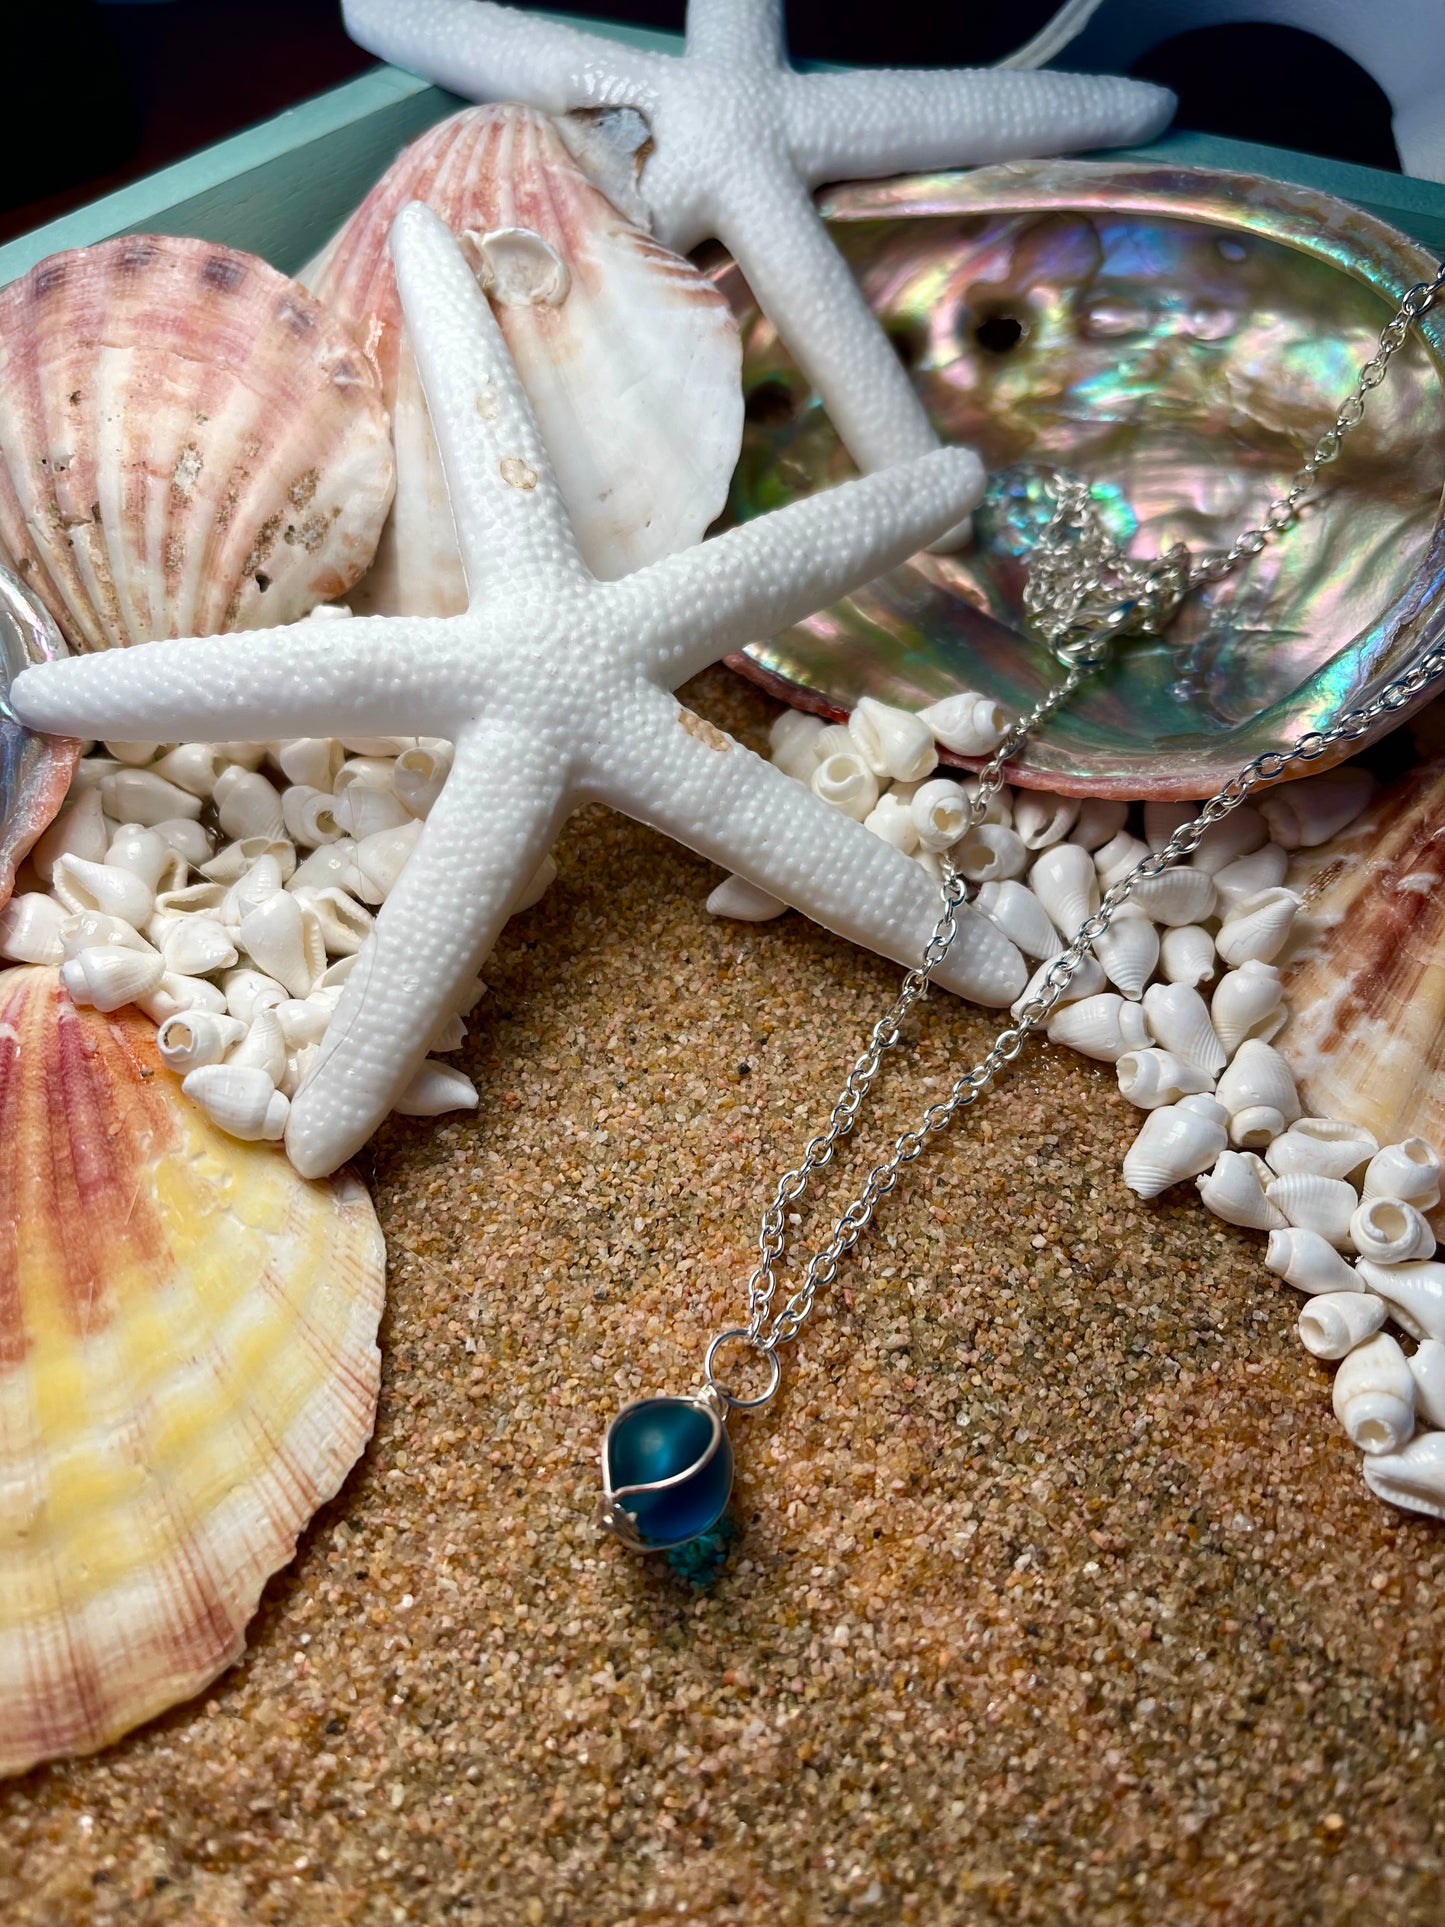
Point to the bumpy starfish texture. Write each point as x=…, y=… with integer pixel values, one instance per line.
x=738, y=141
x=556, y=690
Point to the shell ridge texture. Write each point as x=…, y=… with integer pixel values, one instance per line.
x=189, y=442
x=188, y=1369
x=1366, y=987
x=639, y=352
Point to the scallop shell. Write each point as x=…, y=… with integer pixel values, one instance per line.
x=1176, y=336
x=188, y=1369
x=1366, y=1032
x=188, y=442
x=35, y=771
x=629, y=355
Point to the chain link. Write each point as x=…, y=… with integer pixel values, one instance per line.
x=1082, y=592
x=1082, y=595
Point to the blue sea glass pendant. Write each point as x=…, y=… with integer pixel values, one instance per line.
x=667, y=1471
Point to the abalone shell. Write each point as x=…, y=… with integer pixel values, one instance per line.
x=1180, y=338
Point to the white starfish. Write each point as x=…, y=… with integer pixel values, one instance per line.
x=739, y=141
x=556, y=690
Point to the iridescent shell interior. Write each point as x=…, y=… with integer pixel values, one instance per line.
x=1180, y=338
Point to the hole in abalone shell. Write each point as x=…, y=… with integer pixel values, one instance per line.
x=1000, y=334
x=263, y=581
x=909, y=339
x=770, y=404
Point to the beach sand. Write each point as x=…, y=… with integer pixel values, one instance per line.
x=1057, y=1594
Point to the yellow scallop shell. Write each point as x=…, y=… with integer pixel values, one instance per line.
x=188, y=1369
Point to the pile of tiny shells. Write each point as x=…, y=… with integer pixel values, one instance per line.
x=225, y=889
x=1182, y=996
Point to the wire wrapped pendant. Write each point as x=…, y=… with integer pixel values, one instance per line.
x=667, y=1471
x=667, y=1465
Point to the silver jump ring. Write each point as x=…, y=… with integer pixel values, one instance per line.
x=775, y=1370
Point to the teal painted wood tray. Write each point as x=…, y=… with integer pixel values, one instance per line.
x=280, y=189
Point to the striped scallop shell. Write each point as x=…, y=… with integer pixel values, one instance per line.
x=188, y=1369
x=1366, y=993
x=188, y=442
x=35, y=771
x=630, y=357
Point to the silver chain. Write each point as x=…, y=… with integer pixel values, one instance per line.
x=1082, y=594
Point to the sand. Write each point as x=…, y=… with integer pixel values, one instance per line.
x=1057, y=1594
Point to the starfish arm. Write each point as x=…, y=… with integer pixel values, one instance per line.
x=845, y=127
x=488, y=832
x=304, y=679
x=487, y=52
x=745, y=33
x=692, y=608
x=808, y=292
x=508, y=510
x=688, y=779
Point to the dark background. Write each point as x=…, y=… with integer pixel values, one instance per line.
x=101, y=94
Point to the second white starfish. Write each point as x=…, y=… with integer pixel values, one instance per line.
x=739, y=140
x=555, y=689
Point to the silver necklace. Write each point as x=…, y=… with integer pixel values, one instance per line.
x=667, y=1462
